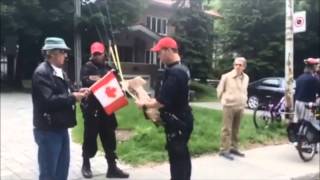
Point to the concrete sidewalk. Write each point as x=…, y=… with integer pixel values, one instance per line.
x=19, y=155
x=272, y=162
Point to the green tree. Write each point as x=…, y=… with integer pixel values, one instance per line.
x=33, y=20
x=97, y=23
x=255, y=29
x=307, y=44
x=194, y=32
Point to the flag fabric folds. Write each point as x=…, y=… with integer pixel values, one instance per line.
x=108, y=92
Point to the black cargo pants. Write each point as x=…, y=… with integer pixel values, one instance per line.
x=97, y=122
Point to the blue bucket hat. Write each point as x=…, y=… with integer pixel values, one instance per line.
x=54, y=43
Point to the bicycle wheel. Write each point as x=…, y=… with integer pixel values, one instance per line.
x=261, y=118
x=306, y=150
x=276, y=117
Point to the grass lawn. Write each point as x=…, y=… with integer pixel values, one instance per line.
x=147, y=143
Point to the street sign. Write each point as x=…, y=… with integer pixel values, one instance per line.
x=299, y=22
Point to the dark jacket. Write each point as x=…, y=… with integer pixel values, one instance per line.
x=307, y=87
x=90, y=106
x=173, y=95
x=53, y=103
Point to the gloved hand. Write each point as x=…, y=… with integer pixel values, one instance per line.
x=116, y=72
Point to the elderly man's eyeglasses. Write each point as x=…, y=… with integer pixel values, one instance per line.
x=60, y=51
x=238, y=65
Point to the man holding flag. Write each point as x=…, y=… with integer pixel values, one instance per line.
x=175, y=112
x=98, y=111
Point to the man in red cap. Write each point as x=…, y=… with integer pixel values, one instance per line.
x=316, y=63
x=96, y=121
x=307, y=90
x=175, y=112
x=318, y=70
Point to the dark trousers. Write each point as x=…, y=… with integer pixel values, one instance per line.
x=104, y=126
x=179, y=156
x=53, y=154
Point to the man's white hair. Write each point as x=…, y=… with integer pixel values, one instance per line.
x=242, y=59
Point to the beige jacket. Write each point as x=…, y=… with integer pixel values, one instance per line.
x=232, y=89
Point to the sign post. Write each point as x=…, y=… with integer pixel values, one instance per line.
x=77, y=44
x=299, y=22
x=289, y=60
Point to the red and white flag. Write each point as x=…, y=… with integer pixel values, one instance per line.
x=109, y=93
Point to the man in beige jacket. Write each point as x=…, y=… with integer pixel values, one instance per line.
x=232, y=92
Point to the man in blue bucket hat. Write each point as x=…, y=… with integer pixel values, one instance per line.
x=53, y=110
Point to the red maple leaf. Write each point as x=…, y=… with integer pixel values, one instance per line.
x=111, y=91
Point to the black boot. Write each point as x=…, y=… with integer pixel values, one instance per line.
x=114, y=171
x=292, y=130
x=86, y=168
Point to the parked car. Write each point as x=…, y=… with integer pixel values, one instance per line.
x=260, y=90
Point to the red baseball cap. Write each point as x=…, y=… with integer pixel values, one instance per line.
x=166, y=42
x=97, y=47
x=312, y=61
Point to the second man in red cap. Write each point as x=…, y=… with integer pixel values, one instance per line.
x=96, y=121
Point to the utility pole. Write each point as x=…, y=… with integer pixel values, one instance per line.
x=77, y=43
x=289, y=59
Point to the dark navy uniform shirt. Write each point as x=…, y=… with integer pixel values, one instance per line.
x=307, y=86
x=92, y=69
x=90, y=104
x=174, y=92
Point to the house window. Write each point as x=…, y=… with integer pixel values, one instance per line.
x=125, y=53
x=147, y=57
x=154, y=24
x=150, y=57
x=158, y=25
x=164, y=26
x=149, y=22
x=3, y=64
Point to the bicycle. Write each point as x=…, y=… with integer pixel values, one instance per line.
x=266, y=114
x=308, y=135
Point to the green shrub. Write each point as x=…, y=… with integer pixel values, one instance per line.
x=203, y=92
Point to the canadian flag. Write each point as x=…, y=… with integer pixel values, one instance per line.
x=108, y=92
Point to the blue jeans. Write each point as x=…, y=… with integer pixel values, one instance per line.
x=53, y=154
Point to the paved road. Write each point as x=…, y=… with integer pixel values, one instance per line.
x=18, y=149
x=18, y=155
